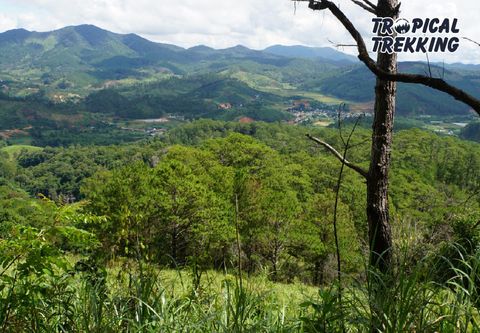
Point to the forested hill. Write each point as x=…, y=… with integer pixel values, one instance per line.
x=69, y=64
x=89, y=236
x=90, y=48
x=284, y=183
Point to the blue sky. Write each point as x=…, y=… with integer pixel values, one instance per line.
x=253, y=23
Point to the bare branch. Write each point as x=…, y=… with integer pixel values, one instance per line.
x=339, y=119
x=476, y=225
x=337, y=45
x=360, y=143
x=471, y=40
x=370, y=4
x=435, y=83
x=429, y=67
x=368, y=8
x=352, y=166
x=346, y=147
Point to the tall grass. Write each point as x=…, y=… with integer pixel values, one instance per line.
x=147, y=300
x=124, y=299
x=406, y=300
x=149, y=306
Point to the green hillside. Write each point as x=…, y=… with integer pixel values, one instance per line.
x=83, y=84
x=411, y=99
x=14, y=151
x=299, y=51
x=72, y=62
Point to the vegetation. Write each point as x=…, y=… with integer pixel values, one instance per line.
x=70, y=85
x=471, y=132
x=120, y=211
x=412, y=100
x=143, y=236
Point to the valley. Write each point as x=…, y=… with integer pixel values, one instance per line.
x=96, y=84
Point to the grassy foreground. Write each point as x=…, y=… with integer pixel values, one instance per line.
x=130, y=297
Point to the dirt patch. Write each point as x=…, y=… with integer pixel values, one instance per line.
x=7, y=134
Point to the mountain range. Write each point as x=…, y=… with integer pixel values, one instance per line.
x=75, y=62
x=88, y=44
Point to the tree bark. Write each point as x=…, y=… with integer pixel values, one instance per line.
x=385, y=69
x=379, y=230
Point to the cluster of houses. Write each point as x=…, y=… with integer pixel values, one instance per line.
x=64, y=98
x=225, y=106
x=150, y=130
x=303, y=112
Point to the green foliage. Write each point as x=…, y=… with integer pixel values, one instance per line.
x=35, y=276
x=471, y=132
x=7, y=166
x=402, y=301
x=182, y=209
x=169, y=211
x=58, y=172
x=177, y=201
x=328, y=313
x=132, y=298
x=286, y=189
x=106, y=101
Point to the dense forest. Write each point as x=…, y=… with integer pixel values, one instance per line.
x=91, y=236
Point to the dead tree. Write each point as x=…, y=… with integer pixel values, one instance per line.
x=385, y=70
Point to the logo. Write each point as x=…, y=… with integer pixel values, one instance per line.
x=402, y=26
x=418, y=36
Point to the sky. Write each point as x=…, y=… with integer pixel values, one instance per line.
x=256, y=24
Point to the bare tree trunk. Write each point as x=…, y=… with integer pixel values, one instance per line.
x=385, y=69
x=174, y=243
x=380, y=237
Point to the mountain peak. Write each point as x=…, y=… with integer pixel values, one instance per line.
x=239, y=50
x=15, y=35
x=92, y=34
x=19, y=30
x=89, y=28
x=306, y=52
x=201, y=48
x=238, y=47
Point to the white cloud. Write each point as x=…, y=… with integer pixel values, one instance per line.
x=220, y=24
x=6, y=22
